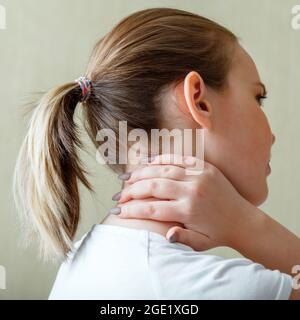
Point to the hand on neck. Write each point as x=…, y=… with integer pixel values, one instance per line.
x=160, y=227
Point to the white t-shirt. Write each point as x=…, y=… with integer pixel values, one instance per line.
x=114, y=262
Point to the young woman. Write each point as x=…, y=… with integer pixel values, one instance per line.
x=158, y=68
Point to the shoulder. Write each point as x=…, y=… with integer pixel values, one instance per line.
x=179, y=272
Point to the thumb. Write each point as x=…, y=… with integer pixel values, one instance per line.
x=198, y=241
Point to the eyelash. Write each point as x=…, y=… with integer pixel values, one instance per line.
x=259, y=97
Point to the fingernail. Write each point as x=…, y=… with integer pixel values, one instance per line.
x=124, y=176
x=116, y=196
x=115, y=210
x=172, y=238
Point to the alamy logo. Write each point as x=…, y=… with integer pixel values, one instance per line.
x=182, y=142
x=295, y=23
x=296, y=278
x=2, y=17
x=2, y=278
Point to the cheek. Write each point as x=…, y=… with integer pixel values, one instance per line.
x=239, y=147
x=261, y=137
x=247, y=135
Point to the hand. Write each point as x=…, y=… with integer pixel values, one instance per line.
x=207, y=205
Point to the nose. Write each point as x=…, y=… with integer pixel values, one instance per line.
x=273, y=138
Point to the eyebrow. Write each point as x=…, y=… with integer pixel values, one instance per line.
x=263, y=86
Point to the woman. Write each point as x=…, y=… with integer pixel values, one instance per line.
x=158, y=68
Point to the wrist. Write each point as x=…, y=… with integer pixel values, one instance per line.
x=248, y=229
x=263, y=240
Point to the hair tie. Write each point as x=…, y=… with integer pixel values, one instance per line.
x=86, y=87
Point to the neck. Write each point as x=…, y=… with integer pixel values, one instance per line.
x=160, y=227
x=146, y=224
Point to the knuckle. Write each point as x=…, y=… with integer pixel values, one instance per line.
x=152, y=185
x=193, y=188
x=166, y=170
x=213, y=171
x=151, y=210
x=189, y=209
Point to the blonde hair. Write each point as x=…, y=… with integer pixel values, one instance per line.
x=129, y=68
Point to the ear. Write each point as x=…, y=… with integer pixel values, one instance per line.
x=192, y=100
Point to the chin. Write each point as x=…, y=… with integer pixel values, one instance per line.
x=258, y=198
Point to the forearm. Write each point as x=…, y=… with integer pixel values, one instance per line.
x=263, y=240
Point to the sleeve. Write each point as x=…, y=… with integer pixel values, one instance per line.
x=245, y=280
x=213, y=278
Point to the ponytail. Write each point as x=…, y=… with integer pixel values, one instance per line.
x=47, y=173
x=132, y=67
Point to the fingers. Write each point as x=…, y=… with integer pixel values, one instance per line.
x=151, y=209
x=157, y=171
x=198, y=241
x=157, y=188
x=187, y=162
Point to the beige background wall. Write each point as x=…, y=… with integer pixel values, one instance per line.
x=48, y=42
